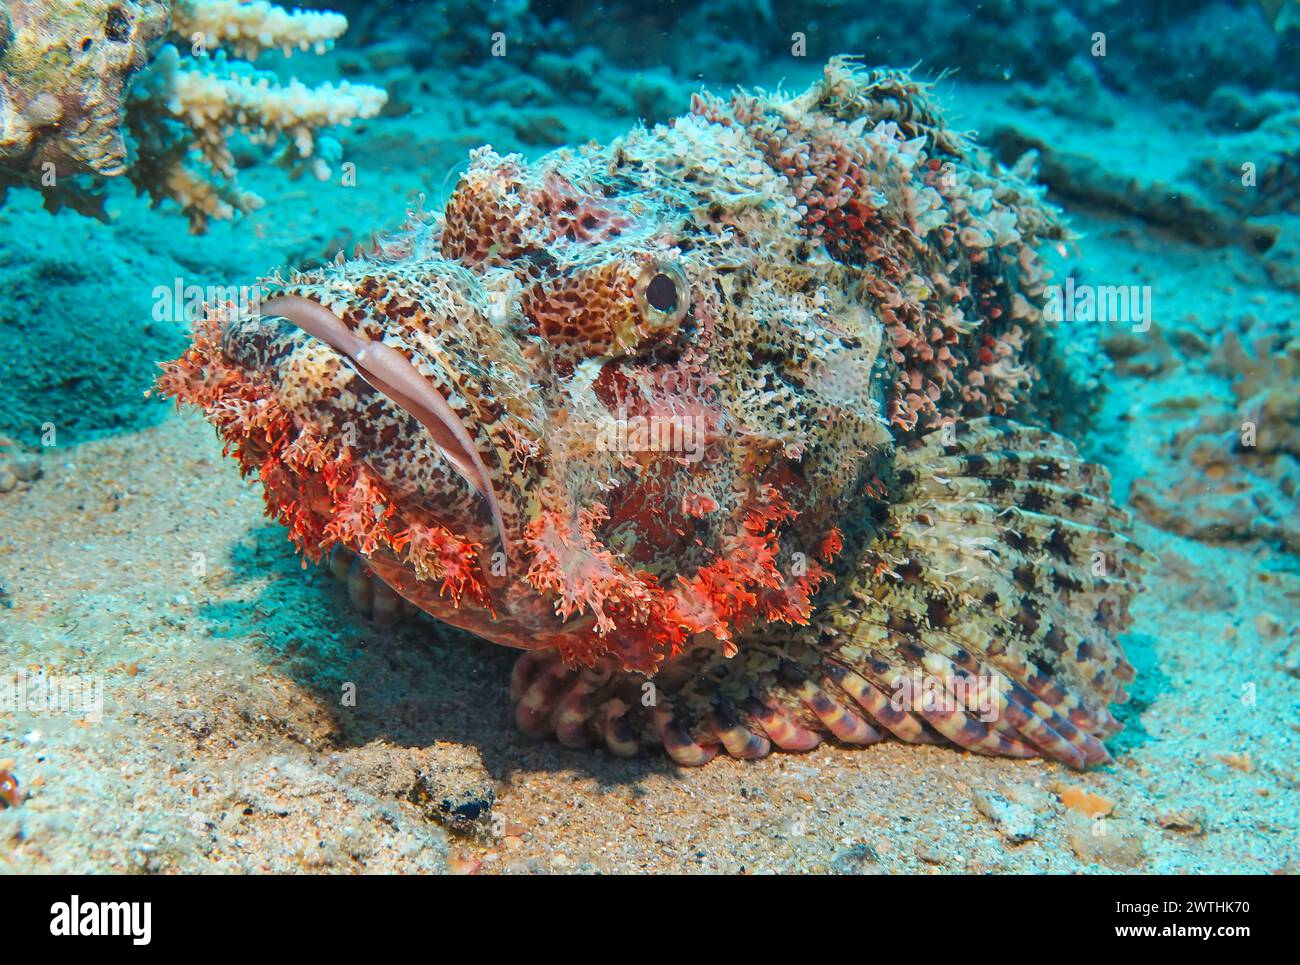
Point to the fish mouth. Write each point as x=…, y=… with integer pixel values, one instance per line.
x=520, y=618
x=391, y=374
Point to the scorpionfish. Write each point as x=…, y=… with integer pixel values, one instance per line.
x=743, y=428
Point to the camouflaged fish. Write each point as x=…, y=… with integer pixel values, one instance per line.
x=740, y=427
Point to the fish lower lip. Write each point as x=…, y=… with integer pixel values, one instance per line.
x=389, y=372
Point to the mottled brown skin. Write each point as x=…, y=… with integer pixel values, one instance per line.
x=730, y=424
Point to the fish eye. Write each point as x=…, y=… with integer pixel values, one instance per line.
x=662, y=294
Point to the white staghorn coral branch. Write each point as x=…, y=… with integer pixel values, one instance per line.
x=247, y=29
x=194, y=106
x=213, y=105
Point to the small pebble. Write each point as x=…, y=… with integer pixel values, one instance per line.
x=26, y=468
x=1268, y=626
x=1085, y=802
x=929, y=852
x=1240, y=762
x=1015, y=823
x=1189, y=821
x=861, y=859
x=1117, y=844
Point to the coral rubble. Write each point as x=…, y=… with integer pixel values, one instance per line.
x=1245, y=465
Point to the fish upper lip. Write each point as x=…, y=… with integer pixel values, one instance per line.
x=389, y=372
x=526, y=625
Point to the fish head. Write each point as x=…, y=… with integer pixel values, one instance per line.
x=587, y=407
